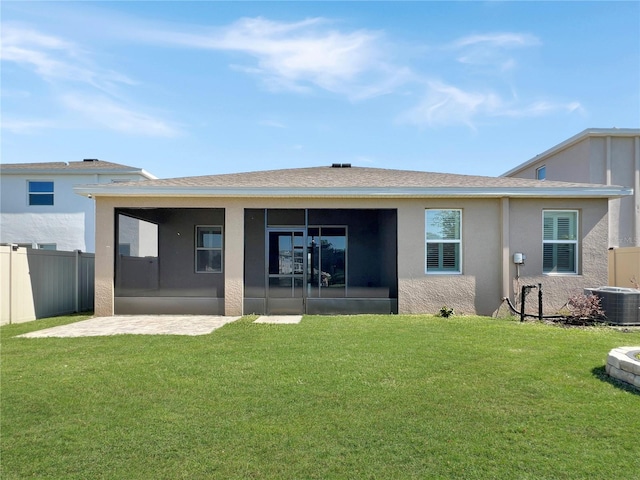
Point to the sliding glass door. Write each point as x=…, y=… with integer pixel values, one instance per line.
x=286, y=271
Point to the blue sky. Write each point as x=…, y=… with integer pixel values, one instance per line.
x=200, y=88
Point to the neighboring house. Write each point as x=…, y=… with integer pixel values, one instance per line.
x=607, y=156
x=40, y=210
x=347, y=240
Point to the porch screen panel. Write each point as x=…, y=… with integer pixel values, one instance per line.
x=327, y=260
x=172, y=252
x=254, y=253
x=137, y=267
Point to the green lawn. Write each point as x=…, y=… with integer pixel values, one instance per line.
x=334, y=397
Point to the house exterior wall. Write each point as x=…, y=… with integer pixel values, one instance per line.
x=478, y=288
x=69, y=222
x=525, y=227
x=486, y=263
x=605, y=160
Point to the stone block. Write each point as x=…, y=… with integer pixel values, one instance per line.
x=622, y=366
x=634, y=367
x=625, y=364
x=613, y=360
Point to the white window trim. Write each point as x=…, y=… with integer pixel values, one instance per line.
x=426, y=242
x=576, y=242
x=196, y=249
x=52, y=193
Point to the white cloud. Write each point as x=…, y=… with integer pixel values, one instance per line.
x=104, y=111
x=544, y=107
x=24, y=126
x=301, y=55
x=501, y=40
x=447, y=105
x=491, y=49
x=13, y=34
x=66, y=67
x=55, y=59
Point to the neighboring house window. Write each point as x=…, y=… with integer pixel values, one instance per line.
x=541, y=173
x=443, y=230
x=124, y=249
x=560, y=241
x=208, y=249
x=46, y=246
x=40, y=193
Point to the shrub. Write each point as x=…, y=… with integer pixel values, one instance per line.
x=585, y=307
x=446, y=312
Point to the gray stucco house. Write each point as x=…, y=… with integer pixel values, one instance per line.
x=342, y=239
x=608, y=156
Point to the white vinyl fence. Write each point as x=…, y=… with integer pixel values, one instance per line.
x=44, y=283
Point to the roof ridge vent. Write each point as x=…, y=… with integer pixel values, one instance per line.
x=340, y=165
x=91, y=160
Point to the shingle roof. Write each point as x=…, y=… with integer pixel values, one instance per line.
x=356, y=177
x=350, y=182
x=73, y=166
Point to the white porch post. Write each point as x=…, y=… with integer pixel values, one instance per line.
x=104, y=257
x=233, y=260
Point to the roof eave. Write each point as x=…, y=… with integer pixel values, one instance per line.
x=346, y=192
x=62, y=171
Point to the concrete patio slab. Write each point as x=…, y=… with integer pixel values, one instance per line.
x=280, y=319
x=137, y=325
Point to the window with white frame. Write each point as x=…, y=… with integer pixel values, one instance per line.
x=40, y=193
x=443, y=237
x=560, y=241
x=47, y=246
x=208, y=249
x=541, y=173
